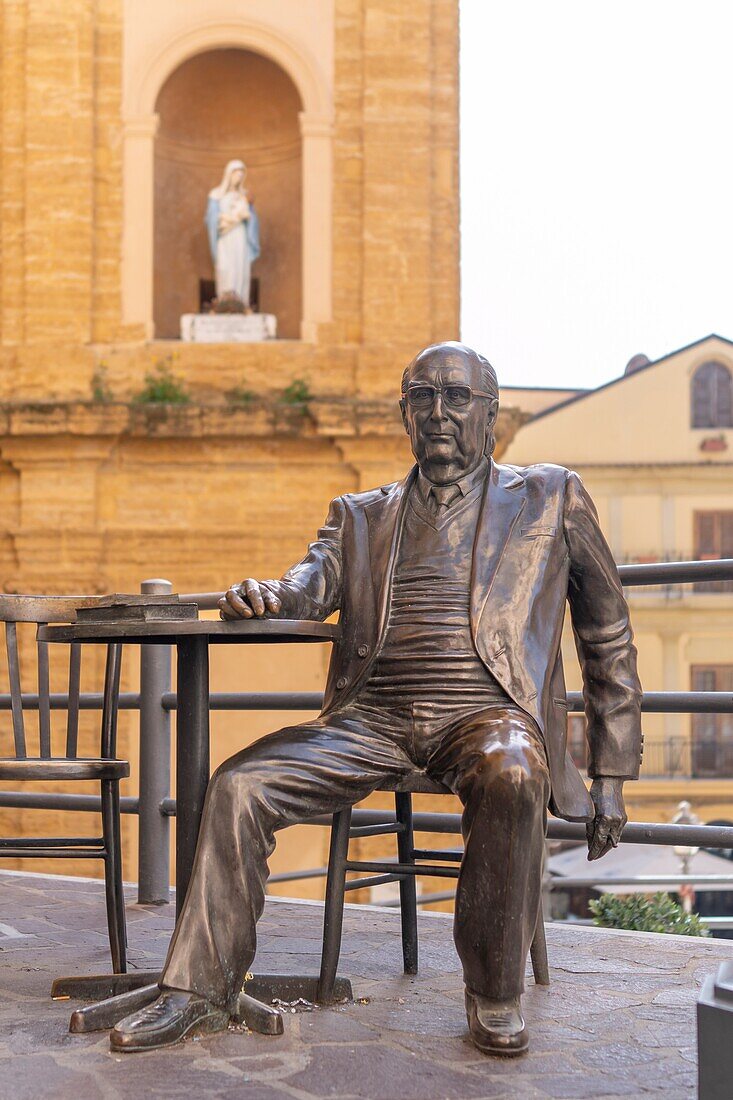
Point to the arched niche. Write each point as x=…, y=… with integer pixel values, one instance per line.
x=218, y=105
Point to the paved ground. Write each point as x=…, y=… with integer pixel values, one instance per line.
x=618, y=1019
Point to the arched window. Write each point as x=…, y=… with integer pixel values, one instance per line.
x=712, y=397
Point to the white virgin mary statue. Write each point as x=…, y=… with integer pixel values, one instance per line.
x=234, y=233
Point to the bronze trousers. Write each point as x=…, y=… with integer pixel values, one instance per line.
x=493, y=759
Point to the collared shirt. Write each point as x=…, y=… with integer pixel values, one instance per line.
x=428, y=657
x=465, y=485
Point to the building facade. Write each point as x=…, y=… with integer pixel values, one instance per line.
x=654, y=450
x=117, y=117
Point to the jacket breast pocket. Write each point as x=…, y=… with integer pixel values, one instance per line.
x=539, y=532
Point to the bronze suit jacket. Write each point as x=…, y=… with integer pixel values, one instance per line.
x=538, y=544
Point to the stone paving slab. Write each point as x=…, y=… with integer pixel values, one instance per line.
x=618, y=1020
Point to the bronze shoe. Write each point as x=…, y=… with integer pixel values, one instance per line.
x=496, y=1027
x=168, y=1020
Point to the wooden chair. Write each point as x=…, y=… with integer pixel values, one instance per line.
x=403, y=871
x=43, y=767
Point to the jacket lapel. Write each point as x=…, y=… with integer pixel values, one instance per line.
x=384, y=519
x=502, y=506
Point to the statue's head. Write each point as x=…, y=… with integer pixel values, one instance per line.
x=234, y=176
x=450, y=400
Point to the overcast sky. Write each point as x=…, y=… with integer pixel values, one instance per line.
x=596, y=182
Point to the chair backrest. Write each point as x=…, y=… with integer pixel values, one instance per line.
x=41, y=610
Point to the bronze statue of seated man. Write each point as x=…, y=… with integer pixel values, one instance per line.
x=451, y=587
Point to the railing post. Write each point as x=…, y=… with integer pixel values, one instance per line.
x=155, y=766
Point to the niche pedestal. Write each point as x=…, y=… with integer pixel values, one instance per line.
x=228, y=328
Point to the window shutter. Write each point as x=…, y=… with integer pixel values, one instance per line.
x=712, y=397
x=724, y=399
x=726, y=535
x=706, y=529
x=701, y=398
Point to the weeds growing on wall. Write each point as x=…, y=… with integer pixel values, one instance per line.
x=162, y=387
x=101, y=389
x=298, y=392
x=240, y=395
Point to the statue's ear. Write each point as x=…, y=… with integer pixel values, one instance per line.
x=403, y=410
x=493, y=413
x=490, y=422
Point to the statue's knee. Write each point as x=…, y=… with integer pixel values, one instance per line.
x=239, y=779
x=512, y=774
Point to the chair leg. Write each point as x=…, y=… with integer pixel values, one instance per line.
x=408, y=885
x=333, y=913
x=538, y=952
x=113, y=875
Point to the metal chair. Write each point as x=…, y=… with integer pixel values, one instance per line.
x=403, y=871
x=109, y=771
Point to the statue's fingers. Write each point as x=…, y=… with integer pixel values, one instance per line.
x=234, y=599
x=254, y=595
x=614, y=833
x=600, y=837
x=606, y=848
x=272, y=602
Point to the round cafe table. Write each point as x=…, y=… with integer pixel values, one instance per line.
x=124, y=993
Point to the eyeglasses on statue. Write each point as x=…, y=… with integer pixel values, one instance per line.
x=421, y=395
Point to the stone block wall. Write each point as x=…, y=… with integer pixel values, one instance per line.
x=395, y=191
x=97, y=497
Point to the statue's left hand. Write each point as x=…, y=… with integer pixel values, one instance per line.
x=604, y=831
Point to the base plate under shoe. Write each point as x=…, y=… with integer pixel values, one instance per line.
x=496, y=1028
x=169, y=1019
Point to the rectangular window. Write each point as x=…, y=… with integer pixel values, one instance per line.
x=712, y=734
x=713, y=539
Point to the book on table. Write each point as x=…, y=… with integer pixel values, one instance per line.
x=137, y=609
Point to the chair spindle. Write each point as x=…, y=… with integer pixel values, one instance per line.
x=111, y=693
x=44, y=701
x=16, y=700
x=72, y=721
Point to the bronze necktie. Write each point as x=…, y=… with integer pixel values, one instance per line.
x=441, y=498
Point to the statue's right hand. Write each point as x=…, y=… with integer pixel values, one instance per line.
x=248, y=600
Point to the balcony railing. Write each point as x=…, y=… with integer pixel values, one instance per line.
x=674, y=589
x=688, y=757
x=156, y=700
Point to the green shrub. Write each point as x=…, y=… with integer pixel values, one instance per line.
x=240, y=395
x=162, y=387
x=298, y=392
x=645, y=913
x=101, y=390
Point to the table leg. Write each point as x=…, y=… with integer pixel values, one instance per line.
x=192, y=762
x=122, y=991
x=133, y=991
x=89, y=987
x=105, y=1014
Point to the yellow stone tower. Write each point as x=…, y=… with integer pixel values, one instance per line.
x=117, y=116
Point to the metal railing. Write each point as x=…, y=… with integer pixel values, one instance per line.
x=675, y=756
x=156, y=701
x=675, y=589
x=695, y=757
